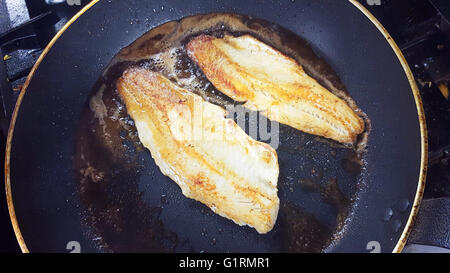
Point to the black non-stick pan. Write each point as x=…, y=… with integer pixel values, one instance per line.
x=66, y=190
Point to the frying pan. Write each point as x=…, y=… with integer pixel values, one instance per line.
x=141, y=210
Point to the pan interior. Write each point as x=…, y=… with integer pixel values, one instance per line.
x=130, y=206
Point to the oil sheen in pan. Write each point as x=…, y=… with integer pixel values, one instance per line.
x=131, y=206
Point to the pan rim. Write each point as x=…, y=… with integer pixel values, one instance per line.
x=417, y=98
x=422, y=122
x=12, y=124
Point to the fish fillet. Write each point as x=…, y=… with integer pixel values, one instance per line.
x=209, y=156
x=250, y=71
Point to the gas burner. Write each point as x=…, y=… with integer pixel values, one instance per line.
x=422, y=31
x=24, y=32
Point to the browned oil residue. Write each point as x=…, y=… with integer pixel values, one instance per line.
x=302, y=232
x=120, y=220
x=108, y=144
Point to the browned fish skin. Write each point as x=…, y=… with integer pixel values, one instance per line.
x=223, y=168
x=268, y=81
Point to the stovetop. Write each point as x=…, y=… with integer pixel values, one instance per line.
x=421, y=28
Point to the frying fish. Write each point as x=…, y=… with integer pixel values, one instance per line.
x=250, y=71
x=209, y=156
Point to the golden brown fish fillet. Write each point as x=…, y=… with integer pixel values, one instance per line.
x=210, y=157
x=248, y=70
